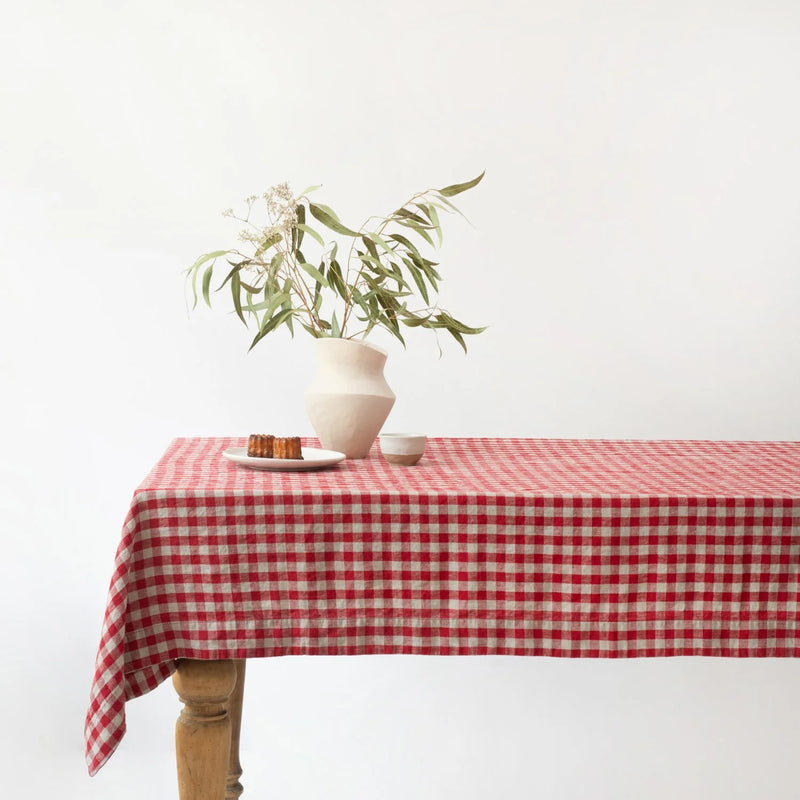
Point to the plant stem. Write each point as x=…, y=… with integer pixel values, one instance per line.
x=298, y=282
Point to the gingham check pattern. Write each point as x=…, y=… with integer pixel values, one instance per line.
x=488, y=546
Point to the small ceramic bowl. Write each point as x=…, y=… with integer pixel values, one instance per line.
x=403, y=448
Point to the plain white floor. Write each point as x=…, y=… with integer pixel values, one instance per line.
x=634, y=251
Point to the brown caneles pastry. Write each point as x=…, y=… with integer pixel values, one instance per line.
x=287, y=447
x=260, y=445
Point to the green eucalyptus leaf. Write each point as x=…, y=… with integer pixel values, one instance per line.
x=435, y=220
x=278, y=300
x=457, y=188
x=234, y=271
x=407, y=243
x=430, y=212
x=418, y=279
x=382, y=242
x=449, y=206
x=315, y=274
x=444, y=204
x=237, y=298
x=458, y=337
x=336, y=331
x=413, y=321
x=207, y=257
x=312, y=233
x=405, y=214
x=278, y=319
x=248, y=305
x=327, y=216
x=391, y=324
x=387, y=301
x=397, y=274
x=194, y=289
x=297, y=235
x=361, y=301
x=336, y=280
x=275, y=264
x=270, y=305
x=393, y=274
x=418, y=228
x=458, y=326
x=258, y=337
x=423, y=207
x=392, y=293
x=288, y=288
x=370, y=245
x=375, y=263
x=271, y=287
x=267, y=242
x=374, y=284
x=428, y=270
x=206, y=284
x=430, y=265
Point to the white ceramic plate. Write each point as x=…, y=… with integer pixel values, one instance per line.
x=312, y=459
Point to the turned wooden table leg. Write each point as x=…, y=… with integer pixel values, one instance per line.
x=233, y=786
x=203, y=730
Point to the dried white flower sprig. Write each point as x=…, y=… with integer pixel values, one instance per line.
x=384, y=270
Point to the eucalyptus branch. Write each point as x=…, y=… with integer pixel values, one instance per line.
x=390, y=269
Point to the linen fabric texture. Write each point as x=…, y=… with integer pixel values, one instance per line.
x=571, y=548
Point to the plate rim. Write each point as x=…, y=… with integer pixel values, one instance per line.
x=330, y=458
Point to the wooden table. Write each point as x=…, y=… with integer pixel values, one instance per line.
x=571, y=548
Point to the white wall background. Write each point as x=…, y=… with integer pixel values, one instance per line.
x=635, y=251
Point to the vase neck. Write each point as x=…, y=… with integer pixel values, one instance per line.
x=350, y=354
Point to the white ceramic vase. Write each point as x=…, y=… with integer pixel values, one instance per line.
x=349, y=399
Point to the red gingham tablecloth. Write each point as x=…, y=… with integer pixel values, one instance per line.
x=488, y=546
